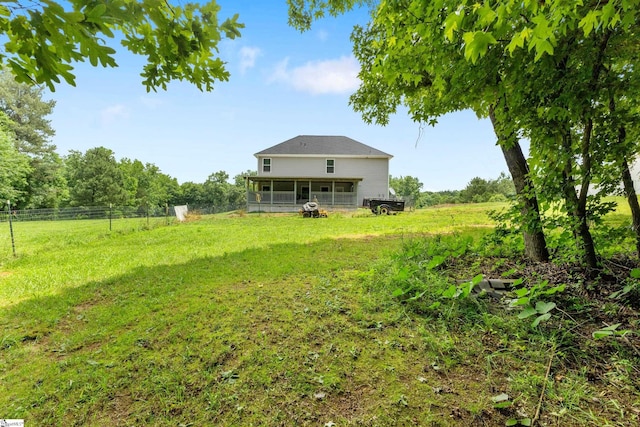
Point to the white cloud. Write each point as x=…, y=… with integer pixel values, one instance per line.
x=113, y=114
x=280, y=72
x=151, y=103
x=248, y=56
x=320, y=77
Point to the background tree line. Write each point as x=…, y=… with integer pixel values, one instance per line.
x=38, y=177
x=35, y=176
x=478, y=190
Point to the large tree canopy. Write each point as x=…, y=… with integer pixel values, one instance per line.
x=31, y=132
x=561, y=73
x=28, y=112
x=15, y=165
x=42, y=39
x=94, y=178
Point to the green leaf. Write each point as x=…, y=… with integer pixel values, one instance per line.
x=502, y=397
x=610, y=16
x=450, y=292
x=635, y=273
x=612, y=327
x=542, y=318
x=543, y=307
x=590, y=21
x=452, y=23
x=465, y=289
x=503, y=405
x=521, y=292
x=542, y=46
x=398, y=292
x=417, y=296
x=477, y=279
x=508, y=272
x=621, y=292
x=476, y=44
x=542, y=29
x=75, y=16
x=434, y=305
x=402, y=274
x=519, y=302
x=97, y=11
x=555, y=289
x=527, y=312
x=516, y=42
x=436, y=261
x=486, y=14
x=601, y=334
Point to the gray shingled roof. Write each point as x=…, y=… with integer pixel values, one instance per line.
x=322, y=145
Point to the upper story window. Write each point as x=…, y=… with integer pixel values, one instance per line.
x=266, y=165
x=331, y=166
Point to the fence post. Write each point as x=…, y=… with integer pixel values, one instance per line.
x=13, y=243
x=110, y=214
x=166, y=212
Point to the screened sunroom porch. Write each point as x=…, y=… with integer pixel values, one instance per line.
x=270, y=194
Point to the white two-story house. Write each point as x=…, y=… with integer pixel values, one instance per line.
x=337, y=171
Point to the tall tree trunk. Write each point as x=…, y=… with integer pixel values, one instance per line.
x=576, y=207
x=535, y=245
x=585, y=150
x=627, y=180
x=581, y=226
x=632, y=199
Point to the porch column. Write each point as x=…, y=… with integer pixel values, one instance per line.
x=295, y=192
x=246, y=189
x=355, y=191
x=271, y=192
x=333, y=193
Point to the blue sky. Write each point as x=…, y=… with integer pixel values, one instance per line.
x=283, y=83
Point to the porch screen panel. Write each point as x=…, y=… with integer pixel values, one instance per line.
x=283, y=192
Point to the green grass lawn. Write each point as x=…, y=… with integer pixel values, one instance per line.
x=256, y=320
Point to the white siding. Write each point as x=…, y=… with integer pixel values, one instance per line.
x=374, y=172
x=375, y=177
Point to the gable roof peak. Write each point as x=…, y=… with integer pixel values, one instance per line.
x=329, y=145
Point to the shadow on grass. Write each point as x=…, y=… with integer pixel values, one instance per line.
x=168, y=342
x=203, y=276
x=282, y=335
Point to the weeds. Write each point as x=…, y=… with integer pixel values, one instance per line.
x=416, y=278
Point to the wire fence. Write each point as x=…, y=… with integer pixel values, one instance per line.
x=105, y=212
x=55, y=223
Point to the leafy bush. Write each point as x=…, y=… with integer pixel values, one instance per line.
x=412, y=276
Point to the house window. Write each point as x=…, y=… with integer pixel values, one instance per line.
x=266, y=188
x=331, y=166
x=266, y=165
x=324, y=189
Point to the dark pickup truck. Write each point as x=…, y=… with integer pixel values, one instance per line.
x=384, y=206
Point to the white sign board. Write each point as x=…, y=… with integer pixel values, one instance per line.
x=181, y=212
